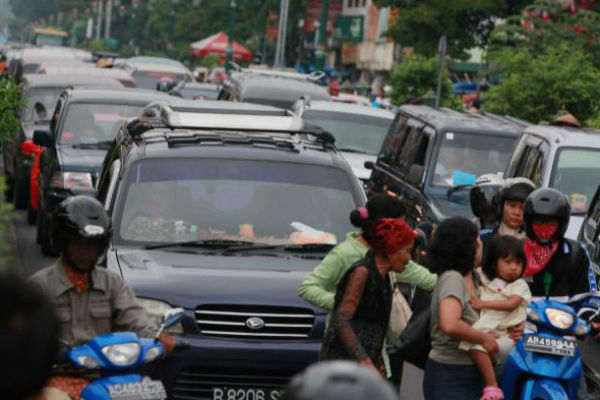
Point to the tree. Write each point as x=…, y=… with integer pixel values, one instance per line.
x=417, y=76
x=537, y=87
x=467, y=23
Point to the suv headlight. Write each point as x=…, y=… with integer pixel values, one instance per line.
x=69, y=180
x=122, y=355
x=156, y=309
x=560, y=319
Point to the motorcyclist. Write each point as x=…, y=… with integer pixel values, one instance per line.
x=334, y=380
x=509, y=210
x=483, y=199
x=89, y=301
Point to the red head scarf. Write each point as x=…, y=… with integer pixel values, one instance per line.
x=388, y=235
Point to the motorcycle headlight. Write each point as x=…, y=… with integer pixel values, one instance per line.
x=122, y=355
x=69, y=180
x=560, y=319
x=152, y=354
x=156, y=309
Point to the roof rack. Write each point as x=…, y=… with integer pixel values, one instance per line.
x=184, y=115
x=313, y=76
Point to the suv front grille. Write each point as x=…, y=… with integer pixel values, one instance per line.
x=255, y=322
x=194, y=383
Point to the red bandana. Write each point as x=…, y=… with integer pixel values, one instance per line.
x=388, y=235
x=538, y=256
x=78, y=279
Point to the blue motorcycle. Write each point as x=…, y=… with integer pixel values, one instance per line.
x=109, y=360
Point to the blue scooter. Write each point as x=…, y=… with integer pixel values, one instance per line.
x=110, y=359
x=547, y=365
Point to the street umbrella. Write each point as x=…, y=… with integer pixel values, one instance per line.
x=217, y=44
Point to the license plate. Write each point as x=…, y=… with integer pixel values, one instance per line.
x=554, y=346
x=225, y=393
x=145, y=390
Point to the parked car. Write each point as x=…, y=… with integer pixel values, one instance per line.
x=85, y=122
x=431, y=157
x=358, y=130
x=271, y=88
x=90, y=70
x=41, y=93
x=589, y=235
x=28, y=60
x=196, y=91
x=243, y=215
x=567, y=159
x=147, y=75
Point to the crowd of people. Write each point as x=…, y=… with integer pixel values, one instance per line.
x=481, y=275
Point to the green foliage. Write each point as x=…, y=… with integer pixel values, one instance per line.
x=10, y=106
x=100, y=45
x=536, y=87
x=467, y=23
x=417, y=76
x=6, y=214
x=210, y=61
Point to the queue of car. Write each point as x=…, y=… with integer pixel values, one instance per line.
x=222, y=207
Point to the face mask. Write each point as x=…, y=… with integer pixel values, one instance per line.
x=545, y=231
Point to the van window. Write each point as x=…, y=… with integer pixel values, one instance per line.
x=531, y=164
x=576, y=173
x=411, y=149
x=394, y=139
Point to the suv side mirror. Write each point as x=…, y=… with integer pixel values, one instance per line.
x=43, y=138
x=369, y=165
x=415, y=174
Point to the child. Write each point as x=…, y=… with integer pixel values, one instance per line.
x=503, y=300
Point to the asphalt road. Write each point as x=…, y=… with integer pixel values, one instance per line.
x=27, y=255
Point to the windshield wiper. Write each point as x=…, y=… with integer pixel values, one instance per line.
x=457, y=188
x=306, y=247
x=351, y=150
x=208, y=244
x=97, y=145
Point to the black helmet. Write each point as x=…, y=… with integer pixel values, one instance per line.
x=546, y=203
x=165, y=84
x=334, y=380
x=514, y=189
x=484, y=195
x=83, y=216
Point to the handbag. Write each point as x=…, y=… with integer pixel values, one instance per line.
x=414, y=343
x=400, y=313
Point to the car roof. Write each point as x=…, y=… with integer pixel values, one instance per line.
x=85, y=69
x=567, y=136
x=445, y=118
x=178, y=103
x=114, y=95
x=255, y=86
x=50, y=52
x=159, y=67
x=198, y=85
x=62, y=80
x=155, y=60
x=332, y=106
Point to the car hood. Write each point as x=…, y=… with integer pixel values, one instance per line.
x=574, y=227
x=81, y=159
x=357, y=163
x=189, y=280
x=30, y=127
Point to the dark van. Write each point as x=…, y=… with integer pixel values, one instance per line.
x=431, y=157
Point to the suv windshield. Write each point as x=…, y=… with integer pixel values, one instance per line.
x=464, y=156
x=149, y=79
x=352, y=132
x=89, y=124
x=252, y=201
x=577, y=173
x=44, y=96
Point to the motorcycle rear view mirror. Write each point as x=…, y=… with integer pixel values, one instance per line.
x=172, y=317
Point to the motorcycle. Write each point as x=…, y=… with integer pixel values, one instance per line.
x=547, y=364
x=109, y=361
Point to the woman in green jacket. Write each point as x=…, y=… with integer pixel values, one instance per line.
x=320, y=286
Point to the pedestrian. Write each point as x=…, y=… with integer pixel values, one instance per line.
x=450, y=374
x=502, y=302
x=363, y=299
x=320, y=286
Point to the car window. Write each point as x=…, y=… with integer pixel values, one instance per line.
x=354, y=133
x=576, y=173
x=91, y=124
x=40, y=103
x=464, y=156
x=591, y=224
x=410, y=148
x=190, y=199
x=394, y=139
x=56, y=114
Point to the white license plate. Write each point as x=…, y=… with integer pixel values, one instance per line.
x=554, y=346
x=145, y=390
x=225, y=393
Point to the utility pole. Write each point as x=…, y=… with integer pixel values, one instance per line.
x=99, y=20
x=320, y=49
x=281, y=31
x=442, y=54
x=230, y=34
x=109, y=6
